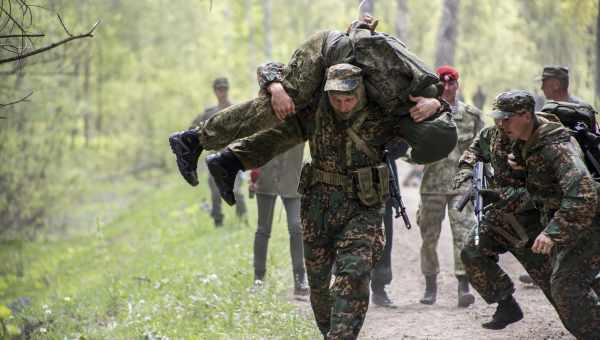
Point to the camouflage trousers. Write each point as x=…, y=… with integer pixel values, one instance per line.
x=215, y=196
x=339, y=232
x=432, y=210
x=481, y=262
x=430, y=140
x=566, y=277
x=574, y=270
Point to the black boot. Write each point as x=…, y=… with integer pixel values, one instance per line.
x=430, y=290
x=465, y=299
x=186, y=147
x=300, y=286
x=224, y=166
x=507, y=312
x=380, y=298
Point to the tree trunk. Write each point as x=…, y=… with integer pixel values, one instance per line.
x=251, y=42
x=446, y=39
x=598, y=55
x=367, y=7
x=268, y=28
x=401, y=20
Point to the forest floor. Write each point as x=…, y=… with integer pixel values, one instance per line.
x=444, y=320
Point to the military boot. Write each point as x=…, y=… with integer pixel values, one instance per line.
x=465, y=299
x=224, y=167
x=507, y=312
x=300, y=285
x=186, y=147
x=381, y=298
x=430, y=290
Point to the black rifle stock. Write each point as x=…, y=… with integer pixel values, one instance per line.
x=395, y=197
x=474, y=195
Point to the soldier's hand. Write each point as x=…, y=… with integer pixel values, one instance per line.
x=542, y=244
x=424, y=108
x=512, y=162
x=280, y=101
x=461, y=177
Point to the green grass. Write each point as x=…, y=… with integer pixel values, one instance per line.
x=157, y=269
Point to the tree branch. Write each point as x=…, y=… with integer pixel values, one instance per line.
x=22, y=35
x=16, y=102
x=51, y=46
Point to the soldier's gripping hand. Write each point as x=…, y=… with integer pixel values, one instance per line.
x=461, y=177
x=424, y=108
x=281, y=102
x=542, y=244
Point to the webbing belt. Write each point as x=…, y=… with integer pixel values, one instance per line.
x=332, y=178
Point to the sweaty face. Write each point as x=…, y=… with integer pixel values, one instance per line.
x=517, y=126
x=343, y=103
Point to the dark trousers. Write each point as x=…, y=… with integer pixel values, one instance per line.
x=266, y=207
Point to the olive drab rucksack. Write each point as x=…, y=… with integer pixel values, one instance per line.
x=580, y=118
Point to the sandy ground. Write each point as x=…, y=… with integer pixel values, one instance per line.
x=444, y=320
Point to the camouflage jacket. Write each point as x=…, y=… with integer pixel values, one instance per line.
x=559, y=183
x=303, y=76
x=437, y=177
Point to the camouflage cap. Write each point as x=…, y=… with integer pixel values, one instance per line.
x=343, y=78
x=512, y=102
x=555, y=71
x=220, y=82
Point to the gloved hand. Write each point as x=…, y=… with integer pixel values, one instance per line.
x=490, y=196
x=460, y=177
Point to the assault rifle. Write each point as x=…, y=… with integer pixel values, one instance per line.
x=395, y=197
x=473, y=194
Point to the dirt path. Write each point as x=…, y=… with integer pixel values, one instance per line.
x=444, y=320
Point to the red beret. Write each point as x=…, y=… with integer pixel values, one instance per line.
x=447, y=73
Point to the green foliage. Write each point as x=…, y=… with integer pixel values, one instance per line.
x=159, y=269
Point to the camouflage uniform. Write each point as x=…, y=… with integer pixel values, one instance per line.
x=216, y=211
x=344, y=189
x=437, y=194
x=302, y=78
x=496, y=234
x=567, y=197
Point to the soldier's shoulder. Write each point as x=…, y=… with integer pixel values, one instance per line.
x=211, y=109
x=472, y=110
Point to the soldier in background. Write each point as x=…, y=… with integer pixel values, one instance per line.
x=221, y=90
x=436, y=195
x=279, y=177
x=479, y=98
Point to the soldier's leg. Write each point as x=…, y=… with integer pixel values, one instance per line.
x=319, y=255
x=432, y=210
x=215, y=198
x=575, y=269
x=292, y=212
x=265, y=204
x=481, y=265
x=240, y=205
x=358, y=247
x=382, y=272
x=461, y=224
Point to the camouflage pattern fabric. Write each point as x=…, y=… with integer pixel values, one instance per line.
x=337, y=226
x=562, y=188
x=303, y=79
x=437, y=195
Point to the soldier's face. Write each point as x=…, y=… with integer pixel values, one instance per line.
x=343, y=103
x=450, y=90
x=550, y=86
x=518, y=126
x=221, y=93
